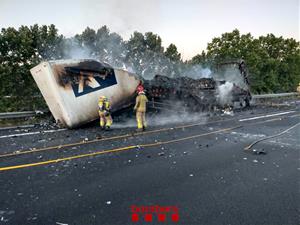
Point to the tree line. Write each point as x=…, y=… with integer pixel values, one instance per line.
x=273, y=62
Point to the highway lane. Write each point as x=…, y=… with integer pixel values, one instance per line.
x=210, y=178
x=134, y=140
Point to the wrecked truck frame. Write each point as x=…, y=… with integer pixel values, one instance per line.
x=202, y=94
x=71, y=89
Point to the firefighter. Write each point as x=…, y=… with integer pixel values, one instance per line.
x=104, y=113
x=140, y=108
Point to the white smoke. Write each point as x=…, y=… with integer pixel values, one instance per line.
x=72, y=50
x=197, y=72
x=112, y=50
x=224, y=93
x=232, y=74
x=166, y=118
x=169, y=113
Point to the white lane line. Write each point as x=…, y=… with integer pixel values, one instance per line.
x=266, y=116
x=32, y=133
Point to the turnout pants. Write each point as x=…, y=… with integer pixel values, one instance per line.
x=141, y=120
x=105, y=119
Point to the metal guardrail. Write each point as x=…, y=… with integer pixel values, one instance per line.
x=275, y=95
x=12, y=115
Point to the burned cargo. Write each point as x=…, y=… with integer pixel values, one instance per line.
x=188, y=90
x=227, y=84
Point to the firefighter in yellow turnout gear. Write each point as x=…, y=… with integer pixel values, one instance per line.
x=104, y=113
x=140, y=108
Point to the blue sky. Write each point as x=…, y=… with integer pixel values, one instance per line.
x=190, y=24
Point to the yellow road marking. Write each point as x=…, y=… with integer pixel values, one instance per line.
x=113, y=150
x=57, y=147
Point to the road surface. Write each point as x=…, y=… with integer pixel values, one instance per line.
x=87, y=176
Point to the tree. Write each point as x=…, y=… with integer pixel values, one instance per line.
x=21, y=50
x=201, y=59
x=271, y=61
x=153, y=42
x=136, y=43
x=88, y=38
x=172, y=53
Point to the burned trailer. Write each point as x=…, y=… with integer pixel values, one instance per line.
x=195, y=94
x=204, y=94
x=71, y=88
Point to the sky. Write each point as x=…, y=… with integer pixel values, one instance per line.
x=189, y=24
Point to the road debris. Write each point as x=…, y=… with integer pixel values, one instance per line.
x=259, y=152
x=161, y=153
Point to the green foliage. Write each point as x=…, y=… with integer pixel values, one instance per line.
x=141, y=43
x=153, y=42
x=273, y=62
x=137, y=42
x=21, y=50
x=201, y=59
x=172, y=53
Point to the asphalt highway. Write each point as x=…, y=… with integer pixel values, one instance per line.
x=197, y=165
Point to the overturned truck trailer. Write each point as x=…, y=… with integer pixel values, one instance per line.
x=71, y=88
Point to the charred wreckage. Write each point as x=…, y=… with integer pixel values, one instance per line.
x=204, y=93
x=71, y=88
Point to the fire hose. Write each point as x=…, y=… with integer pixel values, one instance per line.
x=269, y=137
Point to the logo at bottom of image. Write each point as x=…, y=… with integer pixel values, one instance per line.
x=154, y=214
